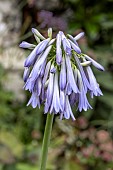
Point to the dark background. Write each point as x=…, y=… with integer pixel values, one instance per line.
x=84, y=144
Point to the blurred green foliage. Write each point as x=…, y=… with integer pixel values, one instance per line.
x=21, y=127
x=94, y=17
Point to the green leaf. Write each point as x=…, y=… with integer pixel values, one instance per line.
x=72, y=165
x=24, y=166
x=10, y=140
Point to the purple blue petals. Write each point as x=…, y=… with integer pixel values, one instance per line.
x=34, y=100
x=56, y=97
x=37, y=33
x=36, y=38
x=53, y=70
x=39, y=64
x=58, y=75
x=66, y=44
x=62, y=100
x=83, y=103
x=68, y=112
x=58, y=49
x=97, y=65
x=43, y=68
x=85, y=81
x=86, y=63
x=72, y=39
x=26, y=74
x=25, y=44
x=75, y=47
x=42, y=46
x=46, y=72
x=68, y=88
x=63, y=75
x=38, y=86
x=51, y=42
x=31, y=59
x=49, y=95
x=80, y=35
x=71, y=76
x=93, y=83
x=55, y=106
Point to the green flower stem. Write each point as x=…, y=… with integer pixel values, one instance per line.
x=46, y=140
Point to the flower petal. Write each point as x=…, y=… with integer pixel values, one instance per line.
x=63, y=75
x=97, y=65
x=80, y=35
x=75, y=47
x=49, y=96
x=34, y=100
x=66, y=43
x=62, y=100
x=39, y=64
x=42, y=45
x=84, y=78
x=26, y=74
x=72, y=39
x=37, y=33
x=58, y=49
x=25, y=44
x=83, y=103
x=56, y=99
x=71, y=76
x=46, y=72
x=94, y=85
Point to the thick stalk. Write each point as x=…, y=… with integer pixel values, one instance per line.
x=46, y=140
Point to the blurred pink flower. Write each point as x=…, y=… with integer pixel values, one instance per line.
x=107, y=156
x=84, y=134
x=102, y=136
x=108, y=146
x=89, y=151
x=91, y=136
x=82, y=122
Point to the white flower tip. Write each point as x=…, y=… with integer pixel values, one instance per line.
x=50, y=32
x=86, y=63
x=80, y=35
x=102, y=68
x=73, y=119
x=33, y=30
x=21, y=44
x=60, y=33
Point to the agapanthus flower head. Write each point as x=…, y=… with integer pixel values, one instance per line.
x=59, y=75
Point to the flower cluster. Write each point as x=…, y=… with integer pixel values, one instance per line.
x=59, y=75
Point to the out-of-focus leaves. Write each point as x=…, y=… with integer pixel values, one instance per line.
x=106, y=80
x=72, y=142
x=107, y=24
x=107, y=97
x=24, y=166
x=6, y=155
x=70, y=164
x=12, y=143
x=6, y=96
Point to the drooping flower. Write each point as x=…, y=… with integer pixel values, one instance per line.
x=58, y=49
x=83, y=103
x=59, y=75
x=63, y=75
x=49, y=95
x=97, y=65
x=25, y=44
